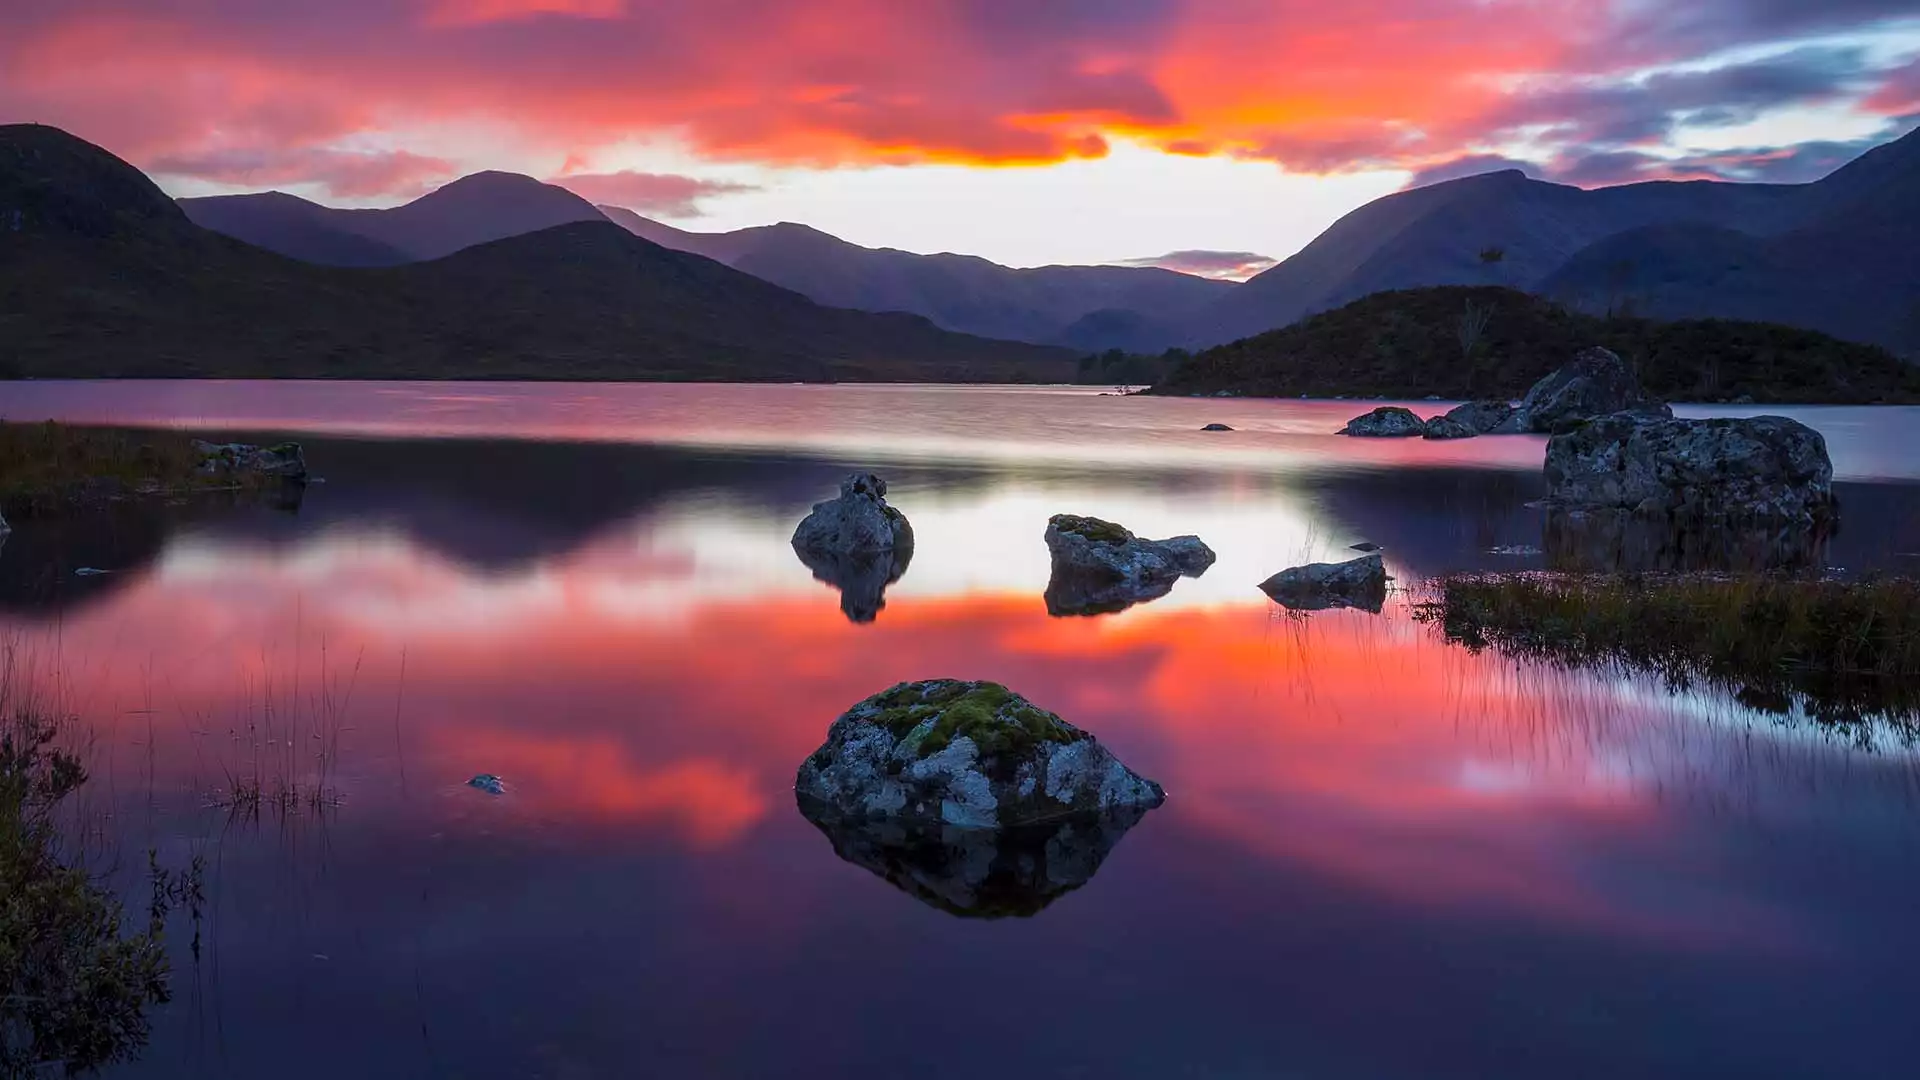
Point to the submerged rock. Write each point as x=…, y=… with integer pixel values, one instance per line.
x=284, y=461
x=489, y=783
x=1358, y=583
x=1595, y=383
x=1386, y=422
x=859, y=522
x=1759, y=469
x=1216, y=427
x=862, y=579
x=1099, y=566
x=968, y=754
x=979, y=873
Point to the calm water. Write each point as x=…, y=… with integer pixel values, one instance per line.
x=1381, y=857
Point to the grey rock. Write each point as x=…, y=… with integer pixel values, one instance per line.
x=979, y=873
x=1216, y=427
x=859, y=522
x=1359, y=583
x=1763, y=469
x=285, y=461
x=4, y=527
x=1099, y=566
x=1385, y=422
x=1365, y=545
x=971, y=755
x=488, y=783
x=1446, y=427
x=1596, y=383
x=1478, y=417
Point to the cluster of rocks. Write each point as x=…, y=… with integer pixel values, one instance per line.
x=1596, y=383
x=282, y=461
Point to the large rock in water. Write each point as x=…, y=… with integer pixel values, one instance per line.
x=1358, y=583
x=283, y=461
x=1386, y=422
x=1763, y=469
x=859, y=522
x=1099, y=566
x=1446, y=427
x=1596, y=383
x=967, y=754
x=979, y=873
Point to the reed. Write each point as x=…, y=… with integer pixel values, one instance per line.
x=1845, y=651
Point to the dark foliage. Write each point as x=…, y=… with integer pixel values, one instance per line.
x=1408, y=344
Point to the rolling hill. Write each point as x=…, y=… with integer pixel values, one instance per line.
x=1665, y=244
x=102, y=275
x=1409, y=344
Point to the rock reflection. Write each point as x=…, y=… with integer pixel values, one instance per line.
x=1624, y=543
x=1072, y=595
x=861, y=578
x=978, y=873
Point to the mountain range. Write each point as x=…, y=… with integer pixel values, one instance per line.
x=101, y=274
x=1089, y=308
x=1837, y=255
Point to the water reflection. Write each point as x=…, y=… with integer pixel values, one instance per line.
x=978, y=873
x=1367, y=829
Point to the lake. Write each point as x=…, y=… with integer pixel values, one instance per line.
x=1381, y=856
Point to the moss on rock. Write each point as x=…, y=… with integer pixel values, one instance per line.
x=931, y=715
x=1092, y=528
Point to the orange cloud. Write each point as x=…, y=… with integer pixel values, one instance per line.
x=1318, y=87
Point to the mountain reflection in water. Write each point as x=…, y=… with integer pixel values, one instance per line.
x=1381, y=855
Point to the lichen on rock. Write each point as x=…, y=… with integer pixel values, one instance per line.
x=859, y=522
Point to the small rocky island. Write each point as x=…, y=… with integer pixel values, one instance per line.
x=858, y=544
x=1100, y=567
x=967, y=754
x=1596, y=383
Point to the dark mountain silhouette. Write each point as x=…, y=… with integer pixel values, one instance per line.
x=1592, y=246
x=1489, y=342
x=102, y=275
x=473, y=210
x=1849, y=266
x=1130, y=307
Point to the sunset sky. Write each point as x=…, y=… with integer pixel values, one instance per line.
x=1027, y=131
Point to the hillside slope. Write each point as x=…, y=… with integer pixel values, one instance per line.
x=102, y=275
x=1409, y=344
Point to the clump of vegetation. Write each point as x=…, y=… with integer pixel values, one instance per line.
x=1848, y=651
x=1091, y=528
x=1414, y=342
x=47, y=467
x=74, y=983
x=998, y=720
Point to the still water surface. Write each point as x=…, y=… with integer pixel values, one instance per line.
x=1381, y=856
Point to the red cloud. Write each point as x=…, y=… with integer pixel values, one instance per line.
x=650, y=193
x=1219, y=265
x=1317, y=87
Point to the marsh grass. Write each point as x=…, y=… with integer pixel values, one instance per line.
x=288, y=737
x=48, y=467
x=1846, y=651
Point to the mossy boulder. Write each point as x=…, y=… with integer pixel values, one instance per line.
x=1099, y=566
x=964, y=754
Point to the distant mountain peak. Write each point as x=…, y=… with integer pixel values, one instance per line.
x=56, y=182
